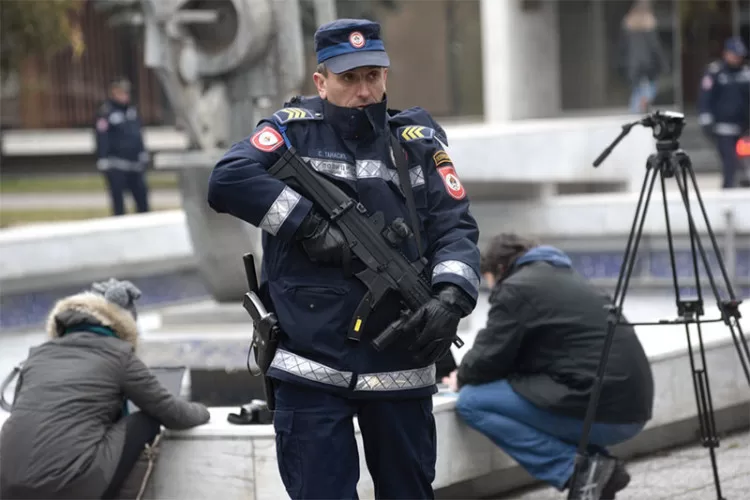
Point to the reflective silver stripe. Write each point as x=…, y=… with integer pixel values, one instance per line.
x=374, y=169
x=458, y=268
x=364, y=169
x=705, y=119
x=416, y=176
x=280, y=210
x=727, y=129
x=385, y=381
x=395, y=381
x=340, y=169
x=311, y=370
x=118, y=164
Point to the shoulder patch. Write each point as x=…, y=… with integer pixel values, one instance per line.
x=102, y=124
x=286, y=115
x=441, y=158
x=267, y=139
x=415, y=132
x=714, y=67
x=707, y=82
x=452, y=183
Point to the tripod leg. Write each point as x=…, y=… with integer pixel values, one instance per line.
x=612, y=321
x=638, y=219
x=670, y=243
x=728, y=308
x=691, y=312
x=706, y=420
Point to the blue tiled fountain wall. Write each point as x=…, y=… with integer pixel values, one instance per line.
x=29, y=310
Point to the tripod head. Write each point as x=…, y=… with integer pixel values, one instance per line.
x=666, y=125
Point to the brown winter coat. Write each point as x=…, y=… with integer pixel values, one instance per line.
x=65, y=434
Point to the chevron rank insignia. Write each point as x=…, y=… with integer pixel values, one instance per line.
x=287, y=115
x=414, y=132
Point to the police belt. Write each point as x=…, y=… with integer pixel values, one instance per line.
x=400, y=380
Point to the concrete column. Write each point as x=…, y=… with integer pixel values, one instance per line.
x=520, y=60
x=325, y=11
x=495, y=24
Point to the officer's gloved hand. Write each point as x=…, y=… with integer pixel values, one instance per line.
x=435, y=324
x=323, y=242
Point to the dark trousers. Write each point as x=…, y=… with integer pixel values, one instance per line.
x=317, y=449
x=731, y=166
x=135, y=182
x=140, y=429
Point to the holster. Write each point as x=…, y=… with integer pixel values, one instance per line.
x=266, y=341
x=266, y=332
x=270, y=335
x=270, y=395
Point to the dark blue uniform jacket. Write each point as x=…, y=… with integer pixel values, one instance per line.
x=724, y=100
x=119, y=139
x=315, y=304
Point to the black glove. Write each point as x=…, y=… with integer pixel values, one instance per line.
x=323, y=242
x=435, y=323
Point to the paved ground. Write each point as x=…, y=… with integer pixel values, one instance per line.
x=683, y=474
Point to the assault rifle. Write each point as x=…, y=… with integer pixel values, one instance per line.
x=370, y=240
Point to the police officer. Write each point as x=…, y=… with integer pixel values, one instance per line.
x=323, y=379
x=120, y=152
x=724, y=105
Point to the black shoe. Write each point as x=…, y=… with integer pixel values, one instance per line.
x=255, y=413
x=619, y=480
x=595, y=474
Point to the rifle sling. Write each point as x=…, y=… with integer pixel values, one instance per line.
x=399, y=156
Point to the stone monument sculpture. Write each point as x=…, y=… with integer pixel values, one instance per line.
x=223, y=64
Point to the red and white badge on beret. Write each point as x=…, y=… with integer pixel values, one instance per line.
x=357, y=40
x=267, y=139
x=452, y=182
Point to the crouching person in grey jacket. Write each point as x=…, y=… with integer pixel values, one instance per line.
x=69, y=434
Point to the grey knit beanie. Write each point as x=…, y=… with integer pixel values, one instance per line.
x=122, y=293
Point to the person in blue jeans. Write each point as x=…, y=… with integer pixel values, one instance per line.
x=526, y=381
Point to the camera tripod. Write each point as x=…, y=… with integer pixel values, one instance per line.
x=668, y=162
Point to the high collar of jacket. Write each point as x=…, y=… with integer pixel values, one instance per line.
x=732, y=69
x=355, y=123
x=84, y=310
x=118, y=105
x=544, y=253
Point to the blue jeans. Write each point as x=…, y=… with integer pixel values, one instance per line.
x=542, y=442
x=643, y=90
